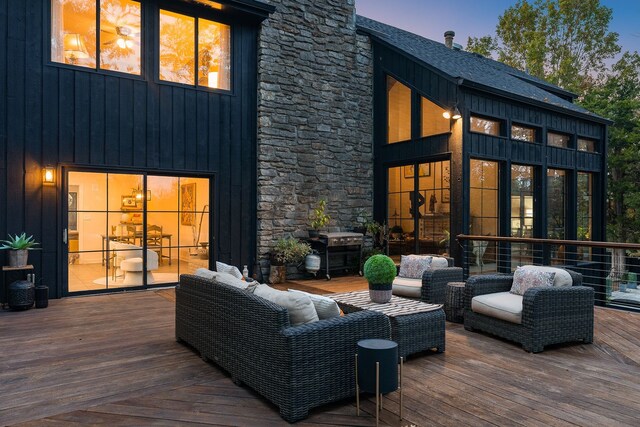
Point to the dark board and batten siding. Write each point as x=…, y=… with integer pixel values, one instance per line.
x=52, y=114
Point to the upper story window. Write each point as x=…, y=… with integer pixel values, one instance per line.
x=484, y=125
x=523, y=133
x=433, y=123
x=194, y=51
x=558, y=140
x=98, y=34
x=586, y=145
x=398, y=111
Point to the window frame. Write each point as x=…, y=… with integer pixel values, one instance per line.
x=421, y=116
x=412, y=93
x=595, y=141
x=196, y=12
x=536, y=132
x=97, y=69
x=501, y=121
x=570, y=142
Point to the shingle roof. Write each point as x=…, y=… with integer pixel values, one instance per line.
x=469, y=66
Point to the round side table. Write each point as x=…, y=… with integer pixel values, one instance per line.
x=454, y=302
x=377, y=371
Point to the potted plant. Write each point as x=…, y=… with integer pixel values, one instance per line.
x=319, y=219
x=286, y=251
x=361, y=220
x=18, y=249
x=380, y=270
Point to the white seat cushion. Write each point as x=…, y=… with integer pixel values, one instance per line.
x=501, y=305
x=561, y=279
x=439, y=262
x=300, y=307
x=405, y=287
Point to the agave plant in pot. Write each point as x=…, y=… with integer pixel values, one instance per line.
x=19, y=247
x=380, y=270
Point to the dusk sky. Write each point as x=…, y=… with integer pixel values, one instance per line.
x=431, y=18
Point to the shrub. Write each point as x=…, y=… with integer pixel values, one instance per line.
x=380, y=270
x=290, y=250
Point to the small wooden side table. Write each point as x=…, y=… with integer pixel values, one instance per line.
x=454, y=302
x=11, y=271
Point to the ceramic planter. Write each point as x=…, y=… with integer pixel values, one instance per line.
x=380, y=294
x=18, y=258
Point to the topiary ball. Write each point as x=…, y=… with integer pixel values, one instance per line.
x=380, y=270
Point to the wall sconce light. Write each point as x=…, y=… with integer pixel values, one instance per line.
x=48, y=175
x=455, y=114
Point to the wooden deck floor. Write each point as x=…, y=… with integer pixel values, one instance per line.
x=113, y=360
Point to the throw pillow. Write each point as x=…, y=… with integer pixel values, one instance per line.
x=207, y=274
x=412, y=266
x=562, y=278
x=300, y=307
x=325, y=307
x=230, y=280
x=439, y=262
x=221, y=267
x=524, y=279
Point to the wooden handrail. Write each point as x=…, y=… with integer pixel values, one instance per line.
x=588, y=243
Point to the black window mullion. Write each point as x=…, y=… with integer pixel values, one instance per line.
x=196, y=62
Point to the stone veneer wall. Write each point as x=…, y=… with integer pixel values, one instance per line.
x=315, y=126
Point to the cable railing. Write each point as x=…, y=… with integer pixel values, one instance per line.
x=612, y=269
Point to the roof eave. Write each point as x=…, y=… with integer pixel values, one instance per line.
x=256, y=8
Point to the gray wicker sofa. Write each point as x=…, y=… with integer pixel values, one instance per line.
x=295, y=367
x=550, y=315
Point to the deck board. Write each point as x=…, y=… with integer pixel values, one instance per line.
x=113, y=359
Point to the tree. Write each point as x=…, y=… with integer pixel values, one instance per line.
x=618, y=97
x=565, y=42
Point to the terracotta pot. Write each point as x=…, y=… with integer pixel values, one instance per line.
x=18, y=258
x=380, y=294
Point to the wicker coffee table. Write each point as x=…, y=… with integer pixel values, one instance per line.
x=416, y=326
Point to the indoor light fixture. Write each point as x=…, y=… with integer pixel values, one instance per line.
x=124, y=43
x=74, y=48
x=48, y=175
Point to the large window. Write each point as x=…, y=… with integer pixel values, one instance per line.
x=483, y=214
x=558, y=140
x=419, y=196
x=103, y=34
x=194, y=51
x=398, y=111
x=485, y=125
x=585, y=211
x=522, y=213
x=587, y=145
x=556, y=211
x=433, y=123
x=523, y=133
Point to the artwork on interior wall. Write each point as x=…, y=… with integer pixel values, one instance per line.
x=424, y=169
x=445, y=196
x=73, y=208
x=187, y=203
x=129, y=203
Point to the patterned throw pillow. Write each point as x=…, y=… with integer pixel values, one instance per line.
x=412, y=266
x=524, y=279
x=229, y=269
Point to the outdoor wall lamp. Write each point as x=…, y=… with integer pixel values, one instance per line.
x=48, y=175
x=455, y=114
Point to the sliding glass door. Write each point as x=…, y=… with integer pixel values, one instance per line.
x=134, y=230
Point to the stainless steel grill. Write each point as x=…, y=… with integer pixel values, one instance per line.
x=336, y=249
x=342, y=238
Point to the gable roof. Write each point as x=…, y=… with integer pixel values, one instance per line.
x=475, y=70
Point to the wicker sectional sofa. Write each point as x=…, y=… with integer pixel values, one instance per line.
x=295, y=367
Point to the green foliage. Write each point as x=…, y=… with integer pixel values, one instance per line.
x=565, y=42
x=320, y=218
x=380, y=270
x=19, y=242
x=290, y=251
x=618, y=97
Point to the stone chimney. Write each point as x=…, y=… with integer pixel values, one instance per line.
x=448, y=38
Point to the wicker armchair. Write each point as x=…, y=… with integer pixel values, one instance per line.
x=550, y=315
x=295, y=367
x=434, y=283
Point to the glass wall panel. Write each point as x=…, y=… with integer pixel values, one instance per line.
x=177, y=47
x=483, y=214
x=558, y=140
x=73, y=32
x=586, y=145
x=483, y=125
x=434, y=207
x=556, y=212
x=398, y=111
x=214, y=55
x=585, y=212
x=120, y=35
x=400, y=211
x=433, y=123
x=523, y=133
x=522, y=213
